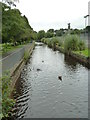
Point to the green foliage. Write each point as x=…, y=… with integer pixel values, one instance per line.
x=45, y=40
x=59, y=32
x=85, y=52
x=76, y=31
x=7, y=102
x=15, y=27
x=49, y=34
x=49, y=42
x=51, y=30
x=58, y=40
x=7, y=47
x=26, y=56
x=41, y=34
x=81, y=45
x=71, y=42
x=53, y=42
x=60, y=43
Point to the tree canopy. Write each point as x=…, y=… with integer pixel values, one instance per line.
x=15, y=27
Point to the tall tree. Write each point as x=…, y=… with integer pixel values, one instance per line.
x=41, y=34
x=15, y=27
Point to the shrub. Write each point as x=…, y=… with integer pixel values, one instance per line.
x=49, y=42
x=81, y=45
x=26, y=56
x=7, y=102
x=60, y=41
x=71, y=42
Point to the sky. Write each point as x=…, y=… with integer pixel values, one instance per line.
x=56, y=14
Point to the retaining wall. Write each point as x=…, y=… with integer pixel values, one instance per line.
x=80, y=58
x=15, y=62
x=16, y=70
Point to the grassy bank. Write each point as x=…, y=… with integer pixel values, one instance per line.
x=68, y=43
x=85, y=52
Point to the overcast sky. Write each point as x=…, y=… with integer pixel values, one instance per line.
x=46, y=14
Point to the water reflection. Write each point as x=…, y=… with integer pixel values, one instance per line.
x=73, y=63
x=70, y=62
x=43, y=95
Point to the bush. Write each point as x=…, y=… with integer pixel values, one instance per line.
x=81, y=45
x=7, y=102
x=71, y=42
x=60, y=42
x=26, y=56
x=49, y=42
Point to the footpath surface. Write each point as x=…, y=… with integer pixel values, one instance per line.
x=13, y=51
x=10, y=59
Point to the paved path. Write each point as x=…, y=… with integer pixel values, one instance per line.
x=12, y=57
x=15, y=50
x=10, y=52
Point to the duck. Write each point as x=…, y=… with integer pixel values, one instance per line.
x=38, y=69
x=60, y=77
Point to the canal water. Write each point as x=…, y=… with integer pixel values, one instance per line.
x=41, y=94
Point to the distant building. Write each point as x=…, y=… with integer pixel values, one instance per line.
x=89, y=13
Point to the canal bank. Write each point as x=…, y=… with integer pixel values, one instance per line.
x=10, y=78
x=70, y=45
x=80, y=58
x=17, y=69
x=39, y=92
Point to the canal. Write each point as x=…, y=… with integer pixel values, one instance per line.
x=39, y=92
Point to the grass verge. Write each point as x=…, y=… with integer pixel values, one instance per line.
x=85, y=52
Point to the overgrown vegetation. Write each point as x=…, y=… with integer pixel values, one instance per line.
x=26, y=56
x=68, y=43
x=73, y=43
x=85, y=52
x=58, y=33
x=54, y=41
x=7, y=102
